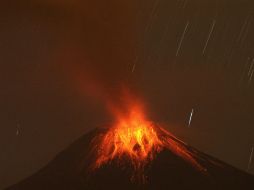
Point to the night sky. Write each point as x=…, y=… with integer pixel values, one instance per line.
x=60, y=60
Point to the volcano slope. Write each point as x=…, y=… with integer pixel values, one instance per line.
x=70, y=171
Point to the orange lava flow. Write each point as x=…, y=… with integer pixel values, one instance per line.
x=137, y=140
x=133, y=137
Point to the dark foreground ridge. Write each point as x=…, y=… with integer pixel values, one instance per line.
x=69, y=171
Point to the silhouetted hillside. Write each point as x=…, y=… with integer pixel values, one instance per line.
x=69, y=171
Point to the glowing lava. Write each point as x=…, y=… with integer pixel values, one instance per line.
x=137, y=140
x=133, y=137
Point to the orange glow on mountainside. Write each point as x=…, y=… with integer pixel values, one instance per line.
x=133, y=137
x=137, y=140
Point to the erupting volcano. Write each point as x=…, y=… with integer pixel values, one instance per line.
x=134, y=153
x=135, y=139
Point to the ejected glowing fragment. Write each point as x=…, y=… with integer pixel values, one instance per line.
x=190, y=119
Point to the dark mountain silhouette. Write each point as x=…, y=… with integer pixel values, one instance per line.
x=69, y=171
